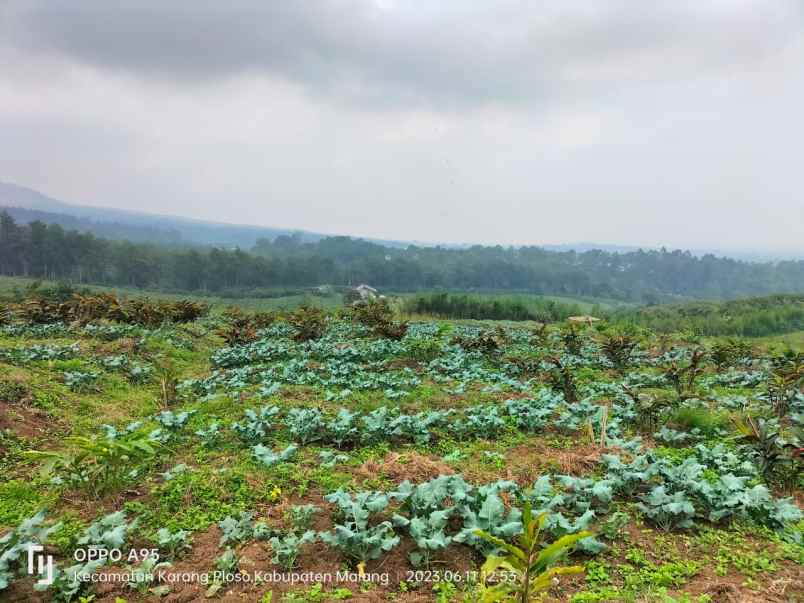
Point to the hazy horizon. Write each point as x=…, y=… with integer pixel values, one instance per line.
x=459, y=123
x=738, y=253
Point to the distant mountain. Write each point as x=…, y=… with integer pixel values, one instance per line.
x=746, y=255
x=26, y=205
x=137, y=226
x=107, y=230
x=144, y=227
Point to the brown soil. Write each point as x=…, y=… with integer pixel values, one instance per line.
x=124, y=345
x=526, y=463
x=409, y=465
x=23, y=421
x=783, y=586
x=22, y=590
x=400, y=363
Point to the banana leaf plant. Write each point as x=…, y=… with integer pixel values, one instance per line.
x=520, y=571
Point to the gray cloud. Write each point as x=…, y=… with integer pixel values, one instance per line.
x=446, y=55
x=671, y=123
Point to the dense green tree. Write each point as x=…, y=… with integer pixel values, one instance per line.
x=48, y=251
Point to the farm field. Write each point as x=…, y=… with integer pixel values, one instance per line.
x=459, y=305
x=279, y=300
x=11, y=285
x=363, y=453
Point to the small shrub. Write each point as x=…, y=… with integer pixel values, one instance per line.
x=309, y=322
x=703, y=419
x=377, y=315
x=530, y=565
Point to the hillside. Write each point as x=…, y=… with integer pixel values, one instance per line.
x=242, y=444
x=750, y=317
x=133, y=225
x=139, y=226
x=47, y=251
x=26, y=204
x=100, y=228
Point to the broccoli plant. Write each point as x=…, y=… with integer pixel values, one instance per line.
x=142, y=575
x=71, y=581
x=343, y=429
x=79, y=381
x=139, y=373
x=286, y=548
x=487, y=513
x=580, y=493
x=110, y=532
x=577, y=495
x=210, y=435
x=172, y=543
x=227, y=561
x=673, y=436
x=242, y=528
x=14, y=545
x=481, y=421
x=375, y=425
x=269, y=458
x=667, y=511
x=628, y=477
x=115, y=363
x=173, y=422
x=305, y=425
x=301, y=516
x=612, y=528
x=558, y=525
x=417, y=427
x=442, y=492
x=428, y=532
x=328, y=459
x=353, y=535
x=528, y=415
x=256, y=425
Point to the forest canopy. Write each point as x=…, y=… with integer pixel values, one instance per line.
x=49, y=251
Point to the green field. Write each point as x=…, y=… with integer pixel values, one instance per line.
x=10, y=285
x=586, y=304
x=323, y=444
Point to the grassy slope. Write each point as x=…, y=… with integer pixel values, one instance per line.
x=9, y=284
x=752, y=316
x=586, y=304
x=225, y=479
x=794, y=340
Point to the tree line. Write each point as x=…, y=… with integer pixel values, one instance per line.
x=49, y=251
x=491, y=307
x=752, y=317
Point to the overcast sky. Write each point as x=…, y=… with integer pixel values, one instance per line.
x=677, y=123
